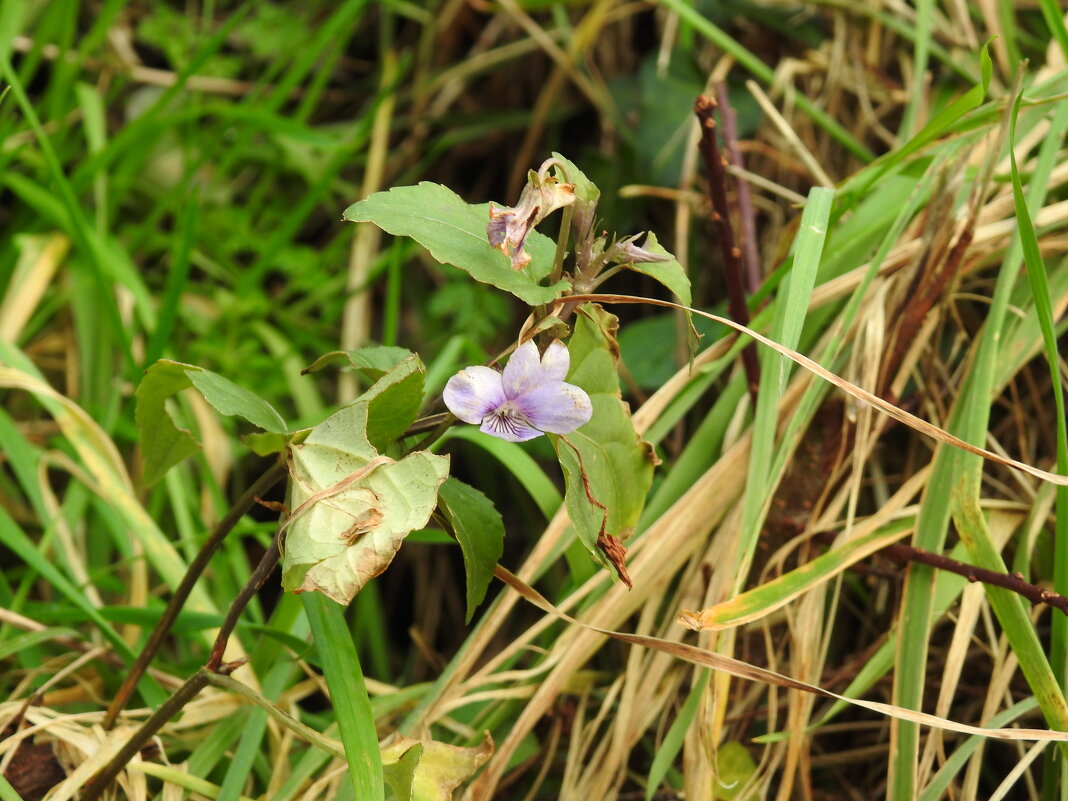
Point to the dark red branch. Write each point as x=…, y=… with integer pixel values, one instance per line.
x=715, y=165
x=171, y=707
x=255, y=582
x=746, y=214
x=1014, y=582
x=199, y=564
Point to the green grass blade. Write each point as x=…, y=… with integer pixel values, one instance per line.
x=1008, y=606
x=676, y=735
x=968, y=420
x=355, y=719
x=13, y=537
x=79, y=229
x=126, y=140
x=31, y=639
x=790, y=312
x=921, y=49
x=776, y=593
x=104, y=463
x=178, y=272
x=1053, y=14
x=7, y=792
x=959, y=758
x=249, y=747
x=1036, y=273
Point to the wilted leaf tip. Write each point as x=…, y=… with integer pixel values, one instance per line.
x=615, y=553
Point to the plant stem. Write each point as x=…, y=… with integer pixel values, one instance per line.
x=255, y=582
x=148, y=730
x=199, y=564
x=1015, y=582
x=732, y=256
x=746, y=214
x=195, y=683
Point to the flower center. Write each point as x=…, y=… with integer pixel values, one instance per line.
x=507, y=418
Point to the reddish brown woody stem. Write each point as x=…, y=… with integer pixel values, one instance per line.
x=1015, y=582
x=171, y=707
x=746, y=213
x=255, y=582
x=181, y=594
x=715, y=165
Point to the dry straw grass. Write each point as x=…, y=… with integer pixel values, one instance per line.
x=601, y=709
x=674, y=564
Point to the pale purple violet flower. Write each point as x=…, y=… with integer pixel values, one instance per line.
x=529, y=398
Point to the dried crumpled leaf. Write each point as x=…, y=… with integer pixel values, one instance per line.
x=508, y=227
x=351, y=507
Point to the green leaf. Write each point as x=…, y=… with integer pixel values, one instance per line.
x=516, y=461
x=348, y=692
x=163, y=444
x=734, y=767
x=372, y=362
x=400, y=775
x=618, y=464
x=264, y=443
x=454, y=232
x=351, y=507
x=669, y=273
x=393, y=401
x=230, y=399
x=480, y=532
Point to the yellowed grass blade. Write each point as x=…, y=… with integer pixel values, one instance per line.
x=887, y=408
x=744, y=670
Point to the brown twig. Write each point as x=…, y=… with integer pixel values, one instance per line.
x=255, y=582
x=182, y=696
x=715, y=166
x=181, y=594
x=1014, y=582
x=746, y=213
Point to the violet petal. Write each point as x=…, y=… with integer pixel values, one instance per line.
x=473, y=393
x=523, y=371
x=557, y=407
x=555, y=363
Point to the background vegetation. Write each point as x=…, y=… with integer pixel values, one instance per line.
x=172, y=182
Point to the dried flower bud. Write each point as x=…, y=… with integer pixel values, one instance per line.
x=508, y=227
